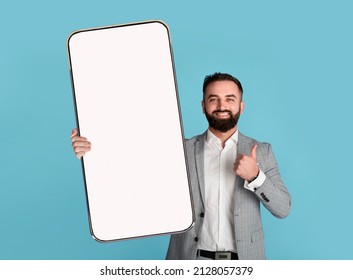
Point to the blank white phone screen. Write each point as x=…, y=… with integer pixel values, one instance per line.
x=127, y=106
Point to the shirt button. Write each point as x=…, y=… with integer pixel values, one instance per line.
x=196, y=239
x=202, y=215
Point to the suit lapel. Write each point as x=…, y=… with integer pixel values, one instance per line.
x=243, y=144
x=243, y=148
x=199, y=158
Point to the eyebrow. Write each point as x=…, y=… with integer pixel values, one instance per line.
x=215, y=95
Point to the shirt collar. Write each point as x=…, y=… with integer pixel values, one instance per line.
x=210, y=136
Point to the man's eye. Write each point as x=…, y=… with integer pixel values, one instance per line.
x=230, y=100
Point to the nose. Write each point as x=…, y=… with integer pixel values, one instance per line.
x=221, y=104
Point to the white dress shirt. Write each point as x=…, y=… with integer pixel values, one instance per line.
x=217, y=233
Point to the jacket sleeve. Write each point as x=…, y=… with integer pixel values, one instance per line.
x=272, y=193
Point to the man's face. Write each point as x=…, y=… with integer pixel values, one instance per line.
x=222, y=105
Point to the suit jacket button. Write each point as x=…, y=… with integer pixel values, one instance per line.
x=196, y=239
x=202, y=215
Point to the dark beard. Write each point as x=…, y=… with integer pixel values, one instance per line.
x=223, y=125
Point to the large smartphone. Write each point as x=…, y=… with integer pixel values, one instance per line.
x=127, y=105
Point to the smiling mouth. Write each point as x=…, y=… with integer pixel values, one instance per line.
x=222, y=114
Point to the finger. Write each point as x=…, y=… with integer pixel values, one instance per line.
x=81, y=144
x=79, y=139
x=253, y=151
x=81, y=149
x=235, y=166
x=237, y=170
x=80, y=155
x=74, y=132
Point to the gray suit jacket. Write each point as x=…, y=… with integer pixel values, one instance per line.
x=247, y=219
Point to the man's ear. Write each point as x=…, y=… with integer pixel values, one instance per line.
x=242, y=107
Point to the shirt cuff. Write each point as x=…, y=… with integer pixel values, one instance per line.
x=256, y=183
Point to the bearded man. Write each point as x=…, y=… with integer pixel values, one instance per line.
x=230, y=174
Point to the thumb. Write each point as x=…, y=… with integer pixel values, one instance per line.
x=74, y=132
x=253, y=151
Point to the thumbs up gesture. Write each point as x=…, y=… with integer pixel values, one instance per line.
x=246, y=166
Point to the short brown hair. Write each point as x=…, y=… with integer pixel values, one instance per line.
x=218, y=76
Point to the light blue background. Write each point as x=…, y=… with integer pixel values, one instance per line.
x=294, y=59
